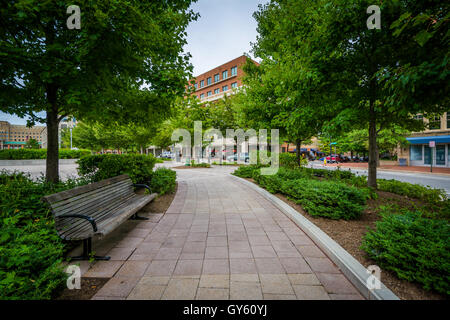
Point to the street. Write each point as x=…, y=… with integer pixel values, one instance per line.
x=437, y=181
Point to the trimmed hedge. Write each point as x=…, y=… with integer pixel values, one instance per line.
x=104, y=166
x=330, y=199
x=163, y=181
x=289, y=160
x=30, y=154
x=412, y=246
x=416, y=191
x=31, y=251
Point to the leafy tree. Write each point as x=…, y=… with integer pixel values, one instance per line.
x=32, y=144
x=126, y=63
x=360, y=71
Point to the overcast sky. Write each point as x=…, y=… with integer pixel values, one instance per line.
x=223, y=32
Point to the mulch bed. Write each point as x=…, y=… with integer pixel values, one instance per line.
x=89, y=287
x=349, y=234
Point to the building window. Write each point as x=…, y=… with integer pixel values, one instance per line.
x=216, y=78
x=208, y=81
x=233, y=71
x=195, y=86
x=225, y=74
x=225, y=88
x=209, y=93
x=216, y=91
x=234, y=85
x=202, y=83
x=435, y=123
x=202, y=96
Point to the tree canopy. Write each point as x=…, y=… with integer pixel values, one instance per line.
x=126, y=63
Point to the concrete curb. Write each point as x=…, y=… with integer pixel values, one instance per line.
x=33, y=162
x=355, y=272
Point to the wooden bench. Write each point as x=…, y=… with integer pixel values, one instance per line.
x=96, y=209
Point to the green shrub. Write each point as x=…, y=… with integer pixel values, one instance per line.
x=100, y=167
x=414, y=247
x=329, y=199
x=289, y=160
x=410, y=190
x=29, y=154
x=246, y=171
x=31, y=251
x=163, y=181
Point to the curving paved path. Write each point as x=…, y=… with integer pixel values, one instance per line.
x=218, y=240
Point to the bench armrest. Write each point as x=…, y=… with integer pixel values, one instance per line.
x=143, y=186
x=81, y=216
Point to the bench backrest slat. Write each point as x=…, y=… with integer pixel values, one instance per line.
x=99, y=200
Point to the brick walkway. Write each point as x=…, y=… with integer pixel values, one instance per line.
x=218, y=240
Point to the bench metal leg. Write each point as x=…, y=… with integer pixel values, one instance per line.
x=87, y=251
x=136, y=217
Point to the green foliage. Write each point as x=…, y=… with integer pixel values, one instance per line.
x=246, y=171
x=29, y=154
x=100, y=167
x=199, y=165
x=289, y=160
x=415, y=248
x=416, y=191
x=30, y=249
x=163, y=181
x=330, y=199
x=32, y=144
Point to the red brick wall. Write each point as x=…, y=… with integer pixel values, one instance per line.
x=238, y=62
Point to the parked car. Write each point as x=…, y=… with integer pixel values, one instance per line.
x=243, y=157
x=166, y=154
x=335, y=158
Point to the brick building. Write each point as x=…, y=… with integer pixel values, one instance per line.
x=14, y=136
x=220, y=81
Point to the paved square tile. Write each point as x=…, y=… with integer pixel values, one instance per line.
x=322, y=265
x=161, y=268
x=215, y=281
x=216, y=253
x=295, y=265
x=168, y=254
x=120, y=253
x=103, y=269
x=188, y=267
x=275, y=283
x=212, y=294
x=118, y=287
x=308, y=279
x=245, y=291
x=133, y=269
x=219, y=241
x=263, y=252
x=336, y=283
x=181, y=289
x=242, y=266
x=304, y=292
x=269, y=266
x=216, y=266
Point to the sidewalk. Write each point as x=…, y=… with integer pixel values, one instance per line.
x=218, y=240
x=418, y=169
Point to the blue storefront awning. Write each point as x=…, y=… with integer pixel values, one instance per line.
x=426, y=140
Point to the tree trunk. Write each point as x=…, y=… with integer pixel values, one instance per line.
x=298, y=144
x=52, y=162
x=372, y=176
x=378, y=157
